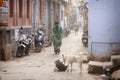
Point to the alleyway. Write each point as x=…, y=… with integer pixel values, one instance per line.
x=40, y=66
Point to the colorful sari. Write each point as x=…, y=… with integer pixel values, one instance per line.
x=57, y=38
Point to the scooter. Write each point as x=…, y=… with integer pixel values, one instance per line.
x=85, y=38
x=24, y=43
x=39, y=40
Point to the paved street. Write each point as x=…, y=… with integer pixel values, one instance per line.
x=40, y=66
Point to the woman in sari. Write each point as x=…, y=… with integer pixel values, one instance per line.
x=57, y=37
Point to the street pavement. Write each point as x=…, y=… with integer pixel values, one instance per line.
x=40, y=66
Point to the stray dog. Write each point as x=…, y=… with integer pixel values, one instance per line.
x=60, y=66
x=72, y=59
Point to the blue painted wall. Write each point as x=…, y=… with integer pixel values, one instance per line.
x=104, y=26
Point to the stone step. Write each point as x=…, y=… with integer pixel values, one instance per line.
x=115, y=59
x=96, y=67
x=95, y=63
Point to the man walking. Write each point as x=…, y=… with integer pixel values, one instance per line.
x=57, y=37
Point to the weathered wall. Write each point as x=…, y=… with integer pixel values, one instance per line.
x=104, y=26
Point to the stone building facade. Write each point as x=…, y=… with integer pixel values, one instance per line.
x=28, y=14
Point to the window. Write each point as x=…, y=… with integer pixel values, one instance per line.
x=11, y=8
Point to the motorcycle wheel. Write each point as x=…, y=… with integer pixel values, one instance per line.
x=85, y=43
x=19, y=52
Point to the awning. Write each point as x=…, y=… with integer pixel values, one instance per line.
x=65, y=1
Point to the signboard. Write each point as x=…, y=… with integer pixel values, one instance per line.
x=3, y=3
x=3, y=12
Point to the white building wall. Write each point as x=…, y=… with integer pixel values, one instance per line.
x=104, y=27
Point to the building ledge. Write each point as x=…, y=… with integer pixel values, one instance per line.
x=13, y=27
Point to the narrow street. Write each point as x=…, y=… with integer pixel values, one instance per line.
x=40, y=66
x=25, y=21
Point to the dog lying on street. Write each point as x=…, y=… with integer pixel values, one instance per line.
x=72, y=59
x=59, y=66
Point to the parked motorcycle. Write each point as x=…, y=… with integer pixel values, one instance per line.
x=85, y=38
x=24, y=43
x=108, y=72
x=39, y=40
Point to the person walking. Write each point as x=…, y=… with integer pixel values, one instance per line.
x=57, y=37
x=76, y=28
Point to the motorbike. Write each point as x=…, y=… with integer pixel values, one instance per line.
x=24, y=43
x=85, y=38
x=39, y=40
x=108, y=72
